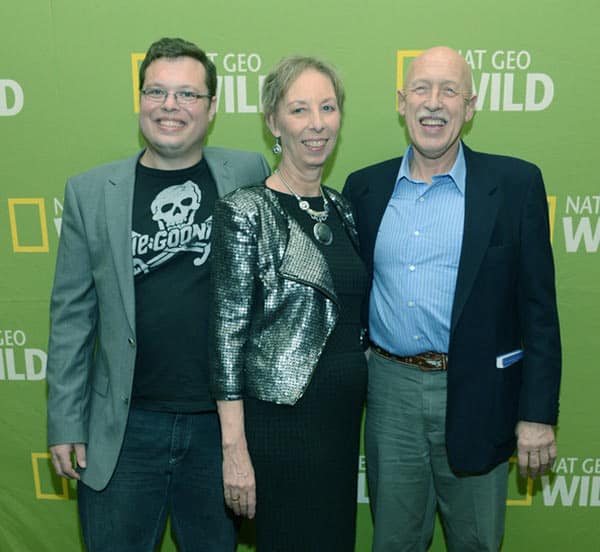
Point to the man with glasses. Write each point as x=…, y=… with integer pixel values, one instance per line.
x=129, y=412
x=465, y=348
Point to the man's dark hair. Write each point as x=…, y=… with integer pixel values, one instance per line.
x=177, y=47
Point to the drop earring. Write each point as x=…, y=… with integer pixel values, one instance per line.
x=277, y=146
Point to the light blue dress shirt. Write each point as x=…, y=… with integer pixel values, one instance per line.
x=416, y=258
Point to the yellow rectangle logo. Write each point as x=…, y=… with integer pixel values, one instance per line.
x=40, y=462
x=551, y=215
x=136, y=59
x=528, y=499
x=401, y=57
x=39, y=217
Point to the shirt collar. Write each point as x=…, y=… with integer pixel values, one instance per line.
x=458, y=172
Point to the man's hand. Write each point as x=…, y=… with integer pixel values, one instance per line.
x=536, y=448
x=62, y=459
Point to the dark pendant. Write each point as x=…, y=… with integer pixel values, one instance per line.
x=304, y=205
x=323, y=233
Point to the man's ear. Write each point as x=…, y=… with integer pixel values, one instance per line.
x=212, y=109
x=401, y=102
x=470, y=108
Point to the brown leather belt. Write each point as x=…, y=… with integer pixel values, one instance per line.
x=426, y=362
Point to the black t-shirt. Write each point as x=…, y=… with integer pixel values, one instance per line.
x=170, y=239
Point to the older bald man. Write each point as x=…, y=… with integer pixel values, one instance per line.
x=465, y=346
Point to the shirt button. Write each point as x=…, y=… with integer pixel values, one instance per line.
x=417, y=233
x=421, y=199
x=412, y=268
x=411, y=303
x=416, y=337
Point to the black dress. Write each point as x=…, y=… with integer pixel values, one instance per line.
x=305, y=456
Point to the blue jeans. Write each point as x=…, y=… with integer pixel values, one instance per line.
x=169, y=464
x=408, y=472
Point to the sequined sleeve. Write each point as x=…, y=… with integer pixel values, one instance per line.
x=234, y=267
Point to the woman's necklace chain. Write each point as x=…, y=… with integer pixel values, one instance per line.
x=319, y=216
x=322, y=233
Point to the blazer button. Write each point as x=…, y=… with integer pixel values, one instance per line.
x=131, y=341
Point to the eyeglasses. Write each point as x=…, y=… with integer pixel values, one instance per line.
x=424, y=90
x=446, y=91
x=182, y=97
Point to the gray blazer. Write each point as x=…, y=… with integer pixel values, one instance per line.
x=92, y=348
x=274, y=304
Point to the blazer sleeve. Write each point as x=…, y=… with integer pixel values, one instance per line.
x=233, y=282
x=538, y=314
x=73, y=318
x=349, y=191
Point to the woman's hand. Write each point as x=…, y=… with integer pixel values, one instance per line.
x=238, y=480
x=239, y=485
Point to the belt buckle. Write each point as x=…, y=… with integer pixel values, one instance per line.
x=435, y=363
x=438, y=364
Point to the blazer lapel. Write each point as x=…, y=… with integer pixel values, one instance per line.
x=302, y=260
x=481, y=208
x=347, y=218
x=376, y=198
x=119, y=202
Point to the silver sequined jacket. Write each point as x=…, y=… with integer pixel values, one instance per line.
x=274, y=305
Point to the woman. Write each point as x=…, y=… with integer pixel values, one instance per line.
x=288, y=371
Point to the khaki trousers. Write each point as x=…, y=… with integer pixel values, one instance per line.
x=408, y=473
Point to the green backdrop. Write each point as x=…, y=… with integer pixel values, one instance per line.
x=67, y=103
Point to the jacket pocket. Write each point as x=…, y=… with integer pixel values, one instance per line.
x=506, y=402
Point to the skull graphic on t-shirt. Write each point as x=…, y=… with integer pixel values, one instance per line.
x=174, y=211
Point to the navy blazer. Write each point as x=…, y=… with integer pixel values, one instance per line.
x=505, y=299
